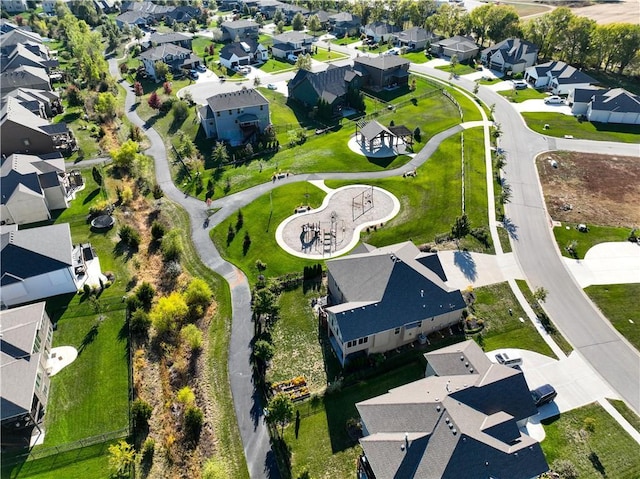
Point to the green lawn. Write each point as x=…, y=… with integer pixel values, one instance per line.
x=260, y=222
x=323, y=446
x=554, y=333
x=626, y=412
x=460, y=69
x=431, y=201
x=605, y=452
x=490, y=81
x=586, y=240
x=295, y=338
x=561, y=125
x=324, y=55
x=504, y=330
x=416, y=57
x=518, y=96
x=616, y=303
x=346, y=40
x=276, y=65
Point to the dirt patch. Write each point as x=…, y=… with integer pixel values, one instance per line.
x=611, y=12
x=589, y=188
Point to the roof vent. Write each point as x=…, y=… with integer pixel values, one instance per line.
x=446, y=419
x=438, y=408
x=402, y=447
x=450, y=425
x=461, y=358
x=471, y=370
x=455, y=431
x=466, y=364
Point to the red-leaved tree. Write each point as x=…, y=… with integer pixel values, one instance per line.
x=167, y=88
x=137, y=89
x=154, y=101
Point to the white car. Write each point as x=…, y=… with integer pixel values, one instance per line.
x=292, y=58
x=519, y=84
x=553, y=100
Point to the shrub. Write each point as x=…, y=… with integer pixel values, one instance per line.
x=158, y=230
x=157, y=191
x=74, y=96
x=148, y=448
x=145, y=294
x=129, y=236
x=168, y=312
x=126, y=195
x=193, y=421
x=139, y=322
x=198, y=293
x=180, y=110
x=165, y=106
x=565, y=468
x=172, y=269
x=154, y=101
x=141, y=412
x=246, y=243
x=215, y=469
x=171, y=245
x=192, y=336
x=260, y=266
x=186, y=396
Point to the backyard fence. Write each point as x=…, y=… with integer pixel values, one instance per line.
x=454, y=101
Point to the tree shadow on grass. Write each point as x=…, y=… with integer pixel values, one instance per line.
x=91, y=196
x=89, y=338
x=597, y=464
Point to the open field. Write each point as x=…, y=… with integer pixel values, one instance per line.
x=611, y=12
x=592, y=189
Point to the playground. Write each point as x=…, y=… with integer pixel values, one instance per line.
x=334, y=228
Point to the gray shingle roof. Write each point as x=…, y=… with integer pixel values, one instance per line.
x=584, y=95
x=388, y=288
x=18, y=366
x=382, y=62
x=236, y=99
x=513, y=49
x=239, y=24
x=373, y=129
x=415, y=34
x=159, y=38
x=292, y=37
x=29, y=171
x=427, y=430
x=237, y=49
x=328, y=84
x=160, y=52
x=616, y=100
x=382, y=28
x=35, y=251
x=25, y=76
x=565, y=74
x=459, y=43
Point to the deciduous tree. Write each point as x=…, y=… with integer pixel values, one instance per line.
x=280, y=410
x=168, y=313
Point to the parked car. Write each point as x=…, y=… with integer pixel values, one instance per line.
x=193, y=74
x=543, y=395
x=553, y=100
x=512, y=360
x=519, y=84
x=393, y=51
x=272, y=86
x=201, y=68
x=292, y=58
x=245, y=70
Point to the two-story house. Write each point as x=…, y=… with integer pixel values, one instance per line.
x=22, y=131
x=415, y=39
x=24, y=77
x=239, y=29
x=463, y=420
x=383, y=298
x=344, y=24
x=379, y=32
x=236, y=117
x=27, y=334
x=464, y=48
x=246, y=52
x=43, y=103
x=512, y=54
x=33, y=186
x=558, y=77
x=14, y=6
x=383, y=71
x=291, y=43
x=177, y=38
x=178, y=59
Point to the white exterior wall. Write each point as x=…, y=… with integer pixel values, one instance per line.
x=39, y=287
x=601, y=116
x=228, y=128
x=531, y=76
x=565, y=89
x=234, y=60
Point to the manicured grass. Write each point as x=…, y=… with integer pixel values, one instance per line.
x=460, y=69
x=503, y=234
x=585, y=240
x=346, y=40
x=605, y=452
x=228, y=442
x=323, y=55
x=626, y=412
x=561, y=125
x=490, y=81
x=275, y=65
x=518, y=96
x=504, y=330
x=295, y=338
x=323, y=446
x=616, y=303
x=416, y=57
x=475, y=184
x=554, y=333
x=260, y=223
x=431, y=201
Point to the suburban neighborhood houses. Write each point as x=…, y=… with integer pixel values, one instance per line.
x=276, y=239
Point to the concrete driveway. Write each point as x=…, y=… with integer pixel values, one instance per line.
x=607, y=263
x=464, y=269
x=540, y=105
x=574, y=380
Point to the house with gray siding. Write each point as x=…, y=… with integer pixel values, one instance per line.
x=379, y=31
x=512, y=54
x=291, y=43
x=557, y=77
x=464, y=48
x=27, y=335
x=613, y=105
x=383, y=298
x=344, y=24
x=236, y=117
x=415, y=39
x=246, y=52
x=383, y=71
x=239, y=29
x=177, y=58
x=463, y=420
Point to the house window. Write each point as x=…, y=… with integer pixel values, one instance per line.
x=238, y=111
x=363, y=340
x=217, y=113
x=38, y=380
x=230, y=112
x=261, y=107
x=397, y=331
x=26, y=142
x=36, y=343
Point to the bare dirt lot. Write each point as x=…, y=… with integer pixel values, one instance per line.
x=588, y=188
x=627, y=11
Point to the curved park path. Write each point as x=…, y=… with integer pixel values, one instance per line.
x=523, y=146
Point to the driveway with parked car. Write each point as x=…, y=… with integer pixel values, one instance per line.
x=540, y=105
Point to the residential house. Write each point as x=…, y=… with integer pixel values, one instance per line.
x=43, y=103
x=24, y=77
x=383, y=71
x=181, y=14
x=291, y=43
x=344, y=24
x=156, y=10
x=461, y=421
x=290, y=10
x=176, y=38
x=464, y=48
x=236, y=117
x=615, y=105
x=134, y=19
x=267, y=8
x=227, y=5
x=176, y=57
x=14, y=36
x=379, y=32
x=49, y=6
x=383, y=298
x=246, y=52
x=41, y=262
x=22, y=131
x=21, y=55
x=34, y=186
x=323, y=18
x=27, y=333
x=239, y=29
x=512, y=54
x=14, y=6
x=106, y=6
x=330, y=86
x=415, y=39
x=557, y=77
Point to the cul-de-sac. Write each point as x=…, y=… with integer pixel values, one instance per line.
x=320, y=239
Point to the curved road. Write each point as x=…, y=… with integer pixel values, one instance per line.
x=567, y=305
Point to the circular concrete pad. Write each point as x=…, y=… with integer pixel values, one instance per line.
x=334, y=228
